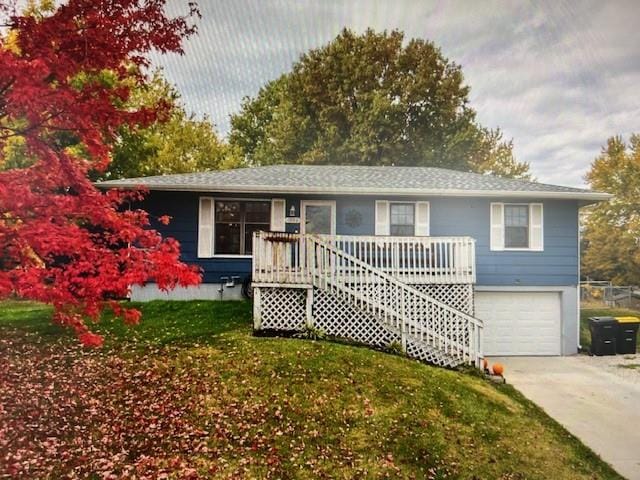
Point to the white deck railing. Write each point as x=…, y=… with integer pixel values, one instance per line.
x=353, y=276
x=281, y=257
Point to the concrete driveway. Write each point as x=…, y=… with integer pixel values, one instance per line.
x=595, y=398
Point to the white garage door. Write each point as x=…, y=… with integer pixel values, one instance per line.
x=520, y=323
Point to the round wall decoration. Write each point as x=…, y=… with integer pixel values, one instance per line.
x=353, y=218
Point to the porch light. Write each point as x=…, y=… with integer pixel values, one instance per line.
x=292, y=211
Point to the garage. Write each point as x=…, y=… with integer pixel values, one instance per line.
x=520, y=323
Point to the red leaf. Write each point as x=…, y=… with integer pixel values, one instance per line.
x=63, y=241
x=89, y=339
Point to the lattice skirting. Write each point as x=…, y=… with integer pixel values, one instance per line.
x=424, y=353
x=286, y=309
x=282, y=308
x=338, y=318
x=458, y=296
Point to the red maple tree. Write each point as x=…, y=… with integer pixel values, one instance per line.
x=67, y=75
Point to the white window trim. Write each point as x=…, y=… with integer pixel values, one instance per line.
x=381, y=228
x=417, y=222
x=231, y=199
x=504, y=228
x=319, y=203
x=213, y=226
x=278, y=205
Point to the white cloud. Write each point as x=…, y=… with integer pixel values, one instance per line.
x=557, y=77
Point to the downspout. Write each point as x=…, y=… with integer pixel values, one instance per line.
x=579, y=288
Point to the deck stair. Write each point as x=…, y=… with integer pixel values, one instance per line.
x=427, y=329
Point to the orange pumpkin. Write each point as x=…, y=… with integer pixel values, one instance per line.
x=498, y=369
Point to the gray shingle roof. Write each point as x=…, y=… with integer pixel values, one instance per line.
x=353, y=180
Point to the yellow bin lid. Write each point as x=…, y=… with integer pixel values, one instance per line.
x=628, y=319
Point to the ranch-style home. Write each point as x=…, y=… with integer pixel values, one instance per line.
x=450, y=266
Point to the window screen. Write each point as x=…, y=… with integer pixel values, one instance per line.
x=516, y=226
x=402, y=219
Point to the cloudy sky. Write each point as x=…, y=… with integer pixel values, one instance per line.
x=558, y=77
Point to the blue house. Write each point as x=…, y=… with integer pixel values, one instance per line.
x=451, y=265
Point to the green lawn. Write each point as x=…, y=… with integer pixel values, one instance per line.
x=585, y=313
x=190, y=393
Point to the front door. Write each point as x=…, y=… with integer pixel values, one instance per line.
x=318, y=216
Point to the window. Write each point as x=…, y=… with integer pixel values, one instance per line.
x=402, y=219
x=516, y=226
x=235, y=222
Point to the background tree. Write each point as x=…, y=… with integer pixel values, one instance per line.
x=611, y=238
x=65, y=83
x=370, y=100
x=495, y=156
x=180, y=143
x=177, y=142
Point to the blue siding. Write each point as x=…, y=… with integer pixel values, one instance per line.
x=556, y=265
x=366, y=208
x=183, y=208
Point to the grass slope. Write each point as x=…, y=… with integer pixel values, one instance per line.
x=586, y=313
x=190, y=393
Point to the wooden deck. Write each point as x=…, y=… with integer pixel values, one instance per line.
x=370, y=289
x=286, y=258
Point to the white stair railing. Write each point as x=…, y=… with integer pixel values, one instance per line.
x=415, y=315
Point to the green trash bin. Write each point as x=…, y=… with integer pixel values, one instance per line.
x=627, y=334
x=604, y=331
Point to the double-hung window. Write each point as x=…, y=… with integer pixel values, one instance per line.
x=516, y=226
x=402, y=219
x=235, y=222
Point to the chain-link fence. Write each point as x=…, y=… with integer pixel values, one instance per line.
x=599, y=293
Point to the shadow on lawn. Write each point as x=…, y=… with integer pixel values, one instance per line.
x=163, y=323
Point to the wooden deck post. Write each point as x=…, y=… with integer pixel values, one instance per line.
x=257, y=308
x=309, y=307
x=403, y=324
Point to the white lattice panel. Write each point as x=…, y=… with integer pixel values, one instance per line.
x=458, y=296
x=338, y=318
x=283, y=308
x=347, y=317
x=424, y=353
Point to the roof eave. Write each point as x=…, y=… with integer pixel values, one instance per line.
x=589, y=196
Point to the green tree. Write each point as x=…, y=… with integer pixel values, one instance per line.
x=371, y=100
x=495, y=156
x=14, y=154
x=179, y=143
x=611, y=239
